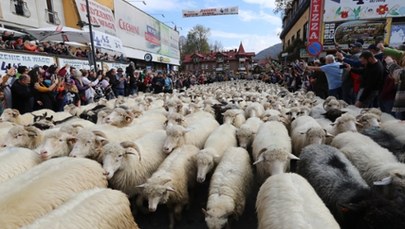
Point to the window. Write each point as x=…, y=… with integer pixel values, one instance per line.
x=305, y=33
x=299, y=34
x=50, y=15
x=20, y=8
x=292, y=38
x=288, y=43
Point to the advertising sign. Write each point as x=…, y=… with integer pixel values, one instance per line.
x=17, y=59
x=211, y=12
x=105, y=41
x=346, y=33
x=100, y=15
x=79, y=64
x=314, y=30
x=343, y=10
x=397, y=35
x=140, y=31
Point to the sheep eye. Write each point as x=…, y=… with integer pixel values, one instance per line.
x=88, y=142
x=60, y=140
x=120, y=155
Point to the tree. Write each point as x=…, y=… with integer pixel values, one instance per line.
x=216, y=46
x=282, y=5
x=197, y=40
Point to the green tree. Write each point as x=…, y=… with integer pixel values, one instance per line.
x=282, y=5
x=197, y=40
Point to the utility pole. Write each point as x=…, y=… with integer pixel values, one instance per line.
x=93, y=51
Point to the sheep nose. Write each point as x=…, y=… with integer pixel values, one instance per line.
x=3, y=145
x=43, y=153
x=106, y=173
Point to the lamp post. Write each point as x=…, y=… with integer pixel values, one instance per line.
x=93, y=53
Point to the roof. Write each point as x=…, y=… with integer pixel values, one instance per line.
x=233, y=54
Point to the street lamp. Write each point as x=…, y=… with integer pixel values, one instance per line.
x=139, y=1
x=163, y=16
x=93, y=53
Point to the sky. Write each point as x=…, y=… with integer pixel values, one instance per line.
x=256, y=25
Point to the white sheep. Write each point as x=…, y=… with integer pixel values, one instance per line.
x=229, y=187
x=170, y=183
x=395, y=128
x=38, y=191
x=272, y=150
x=14, y=116
x=247, y=132
x=235, y=117
x=22, y=136
x=368, y=120
x=374, y=162
x=196, y=134
x=14, y=161
x=56, y=144
x=130, y=164
x=217, y=143
x=96, y=208
x=254, y=110
x=305, y=130
x=289, y=201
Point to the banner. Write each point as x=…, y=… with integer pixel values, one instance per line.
x=99, y=15
x=397, y=35
x=314, y=46
x=211, y=12
x=21, y=59
x=140, y=31
x=344, y=10
x=78, y=64
x=346, y=33
x=105, y=41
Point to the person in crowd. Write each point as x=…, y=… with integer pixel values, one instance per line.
x=112, y=79
x=81, y=87
x=372, y=79
x=378, y=54
x=318, y=80
x=6, y=83
x=399, y=103
x=121, y=82
x=389, y=89
x=89, y=93
x=147, y=82
x=132, y=84
x=22, y=94
x=168, y=88
x=333, y=72
x=43, y=95
x=21, y=70
x=158, y=83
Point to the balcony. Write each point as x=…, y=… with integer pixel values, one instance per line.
x=52, y=17
x=289, y=23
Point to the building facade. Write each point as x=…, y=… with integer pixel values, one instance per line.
x=344, y=22
x=232, y=62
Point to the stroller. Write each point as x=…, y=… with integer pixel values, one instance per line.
x=106, y=93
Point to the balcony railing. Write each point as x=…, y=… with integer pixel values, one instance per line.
x=52, y=17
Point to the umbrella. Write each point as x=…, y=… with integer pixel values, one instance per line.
x=61, y=34
x=16, y=33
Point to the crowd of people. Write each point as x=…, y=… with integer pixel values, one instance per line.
x=25, y=43
x=374, y=77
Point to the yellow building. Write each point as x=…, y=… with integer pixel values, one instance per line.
x=295, y=23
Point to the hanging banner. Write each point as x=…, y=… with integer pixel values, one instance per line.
x=344, y=10
x=314, y=47
x=211, y=12
x=100, y=15
x=346, y=33
x=78, y=64
x=105, y=41
x=20, y=59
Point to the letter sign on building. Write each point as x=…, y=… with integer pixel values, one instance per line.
x=315, y=22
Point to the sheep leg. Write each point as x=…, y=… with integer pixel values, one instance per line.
x=139, y=205
x=178, y=209
x=171, y=218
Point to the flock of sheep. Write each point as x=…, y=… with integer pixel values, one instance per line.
x=318, y=163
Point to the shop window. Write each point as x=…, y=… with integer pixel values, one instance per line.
x=20, y=8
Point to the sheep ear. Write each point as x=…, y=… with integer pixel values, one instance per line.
x=399, y=175
x=359, y=124
x=383, y=182
x=165, y=181
x=170, y=189
x=333, y=124
x=204, y=212
x=259, y=159
x=328, y=134
x=133, y=151
x=101, y=141
x=15, y=112
x=293, y=157
x=71, y=140
x=141, y=186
